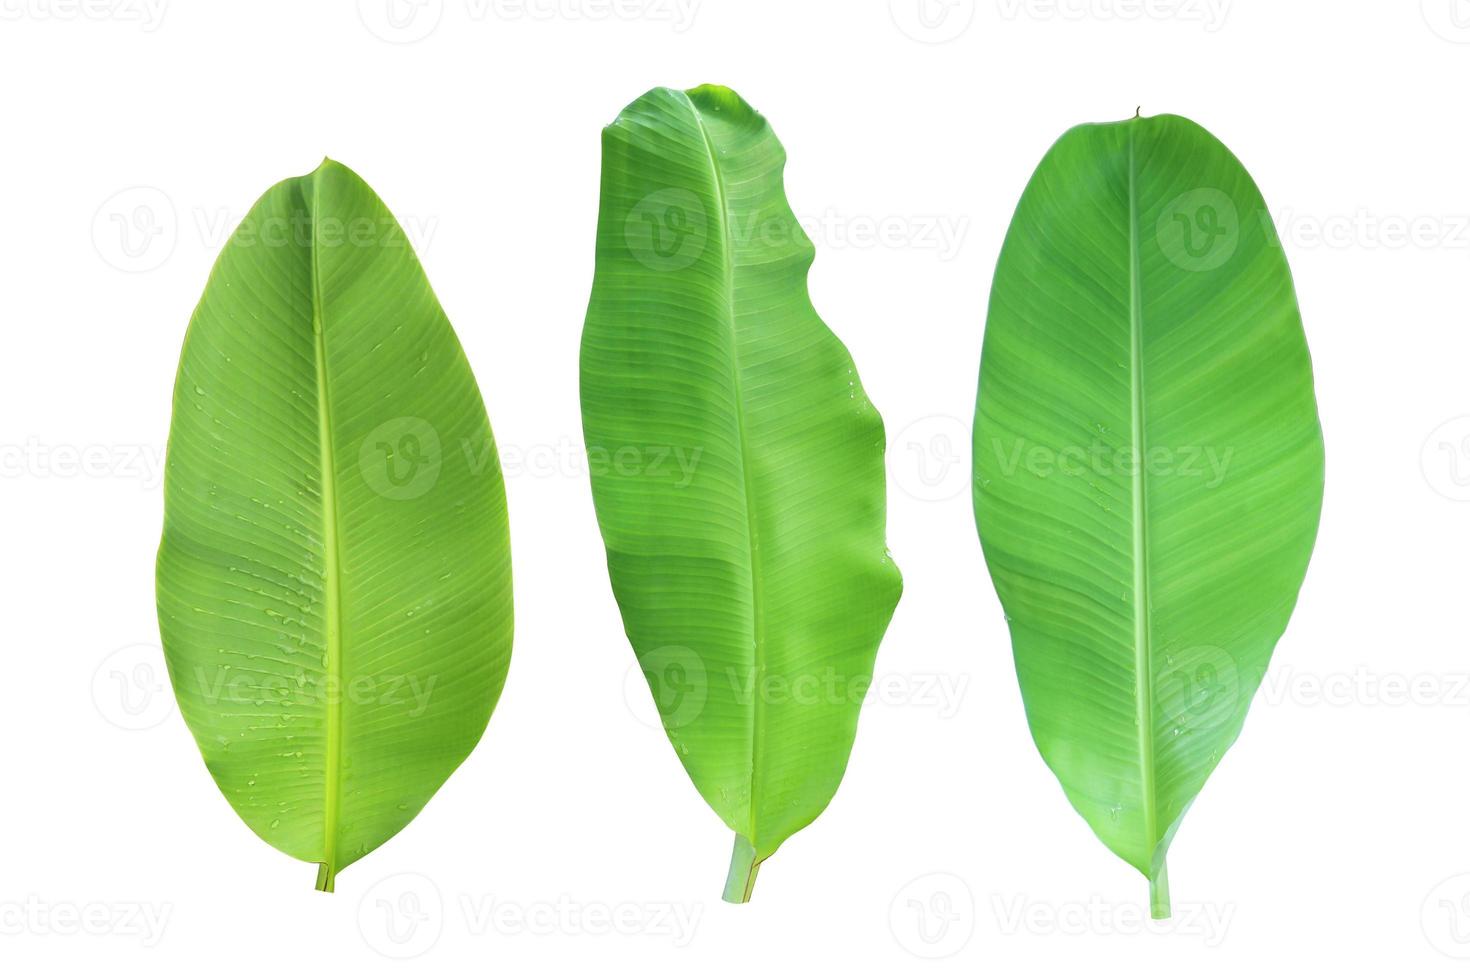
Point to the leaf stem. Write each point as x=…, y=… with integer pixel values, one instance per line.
x=326, y=878
x=1158, y=892
x=743, y=867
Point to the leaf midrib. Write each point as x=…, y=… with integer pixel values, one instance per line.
x=752, y=534
x=1143, y=654
x=331, y=563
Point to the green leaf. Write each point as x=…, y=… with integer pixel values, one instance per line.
x=1148, y=466
x=737, y=467
x=334, y=586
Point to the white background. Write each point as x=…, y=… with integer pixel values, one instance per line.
x=1330, y=836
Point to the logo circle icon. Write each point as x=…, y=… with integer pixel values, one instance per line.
x=130, y=687
x=675, y=677
x=136, y=229
x=401, y=916
x=933, y=916
x=1450, y=19
x=1201, y=689
x=401, y=458
x=1199, y=230
x=666, y=230
x=400, y=21
x=928, y=458
x=932, y=21
x=1445, y=917
x=1445, y=459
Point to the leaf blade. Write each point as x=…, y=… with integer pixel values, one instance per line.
x=1142, y=308
x=315, y=588
x=700, y=337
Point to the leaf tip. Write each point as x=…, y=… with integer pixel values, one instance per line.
x=719, y=98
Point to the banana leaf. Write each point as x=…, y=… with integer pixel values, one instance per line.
x=737, y=467
x=1148, y=466
x=333, y=582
